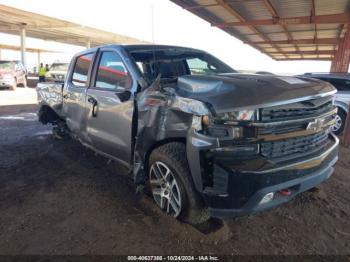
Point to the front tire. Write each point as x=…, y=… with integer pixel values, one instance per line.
x=171, y=184
x=340, y=119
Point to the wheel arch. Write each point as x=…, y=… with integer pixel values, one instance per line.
x=159, y=143
x=342, y=106
x=342, y=110
x=47, y=115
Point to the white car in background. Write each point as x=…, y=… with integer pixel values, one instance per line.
x=57, y=72
x=12, y=74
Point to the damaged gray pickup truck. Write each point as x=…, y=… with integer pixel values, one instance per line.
x=205, y=140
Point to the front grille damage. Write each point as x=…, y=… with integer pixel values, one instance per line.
x=299, y=132
x=294, y=146
x=301, y=109
x=291, y=145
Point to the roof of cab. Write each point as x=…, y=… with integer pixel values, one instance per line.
x=138, y=47
x=154, y=46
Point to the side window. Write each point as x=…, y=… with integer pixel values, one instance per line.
x=21, y=67
x=111, y=72
x=81, y=70
x=17, y=66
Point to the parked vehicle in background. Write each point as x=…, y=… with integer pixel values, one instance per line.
x=255, y=72
x=12, y=74
x=341, y=81
x=204, y=139
x=57, y=72
x=263, y=73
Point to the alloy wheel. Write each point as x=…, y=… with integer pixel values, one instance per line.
x=165, y=188
x=338, y=123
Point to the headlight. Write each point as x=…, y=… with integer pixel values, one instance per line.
x=241, y=115
x=190, y=106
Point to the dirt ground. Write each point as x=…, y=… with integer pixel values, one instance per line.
x=56, y=197
x=21, y=96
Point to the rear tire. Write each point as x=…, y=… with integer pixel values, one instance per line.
x=171, y=159
x=60, y=132
x=338, y=128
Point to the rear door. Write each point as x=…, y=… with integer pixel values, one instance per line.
x=20, y=73
x=74, y=93
x=110, y=106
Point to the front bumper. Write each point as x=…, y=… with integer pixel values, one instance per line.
x=238, y=189
x=6, y=82
x=297, y=186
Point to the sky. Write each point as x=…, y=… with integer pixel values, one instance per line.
x=158, y=21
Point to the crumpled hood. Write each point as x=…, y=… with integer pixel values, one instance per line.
x=227, y=91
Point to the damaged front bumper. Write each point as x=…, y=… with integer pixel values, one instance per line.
x=234, y=185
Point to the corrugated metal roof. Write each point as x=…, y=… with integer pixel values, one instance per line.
x=253, y=9
x=283, y=29
x=329, y=7
x=292, y=8
x=49, y=28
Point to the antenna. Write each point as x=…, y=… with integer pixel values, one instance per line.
x=152, y=21
x=153, y=48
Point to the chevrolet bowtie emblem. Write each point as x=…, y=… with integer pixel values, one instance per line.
x=315, y=125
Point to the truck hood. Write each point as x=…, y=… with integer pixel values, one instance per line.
x=227, y=91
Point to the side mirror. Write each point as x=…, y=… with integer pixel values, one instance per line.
x=120, y=89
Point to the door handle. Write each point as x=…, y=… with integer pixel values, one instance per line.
x=94, y=103
x=65, y=96
x=92, y=100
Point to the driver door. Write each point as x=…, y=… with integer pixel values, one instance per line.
x=110, y=106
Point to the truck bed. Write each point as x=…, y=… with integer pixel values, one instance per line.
x=50, y=93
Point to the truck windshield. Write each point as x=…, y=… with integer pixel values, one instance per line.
x=172, y=63
x=59, y=67
x=6, y=65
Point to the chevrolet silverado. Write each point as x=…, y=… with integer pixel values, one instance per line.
x=205, y=140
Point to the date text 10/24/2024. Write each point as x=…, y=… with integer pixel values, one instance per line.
x=173, y=258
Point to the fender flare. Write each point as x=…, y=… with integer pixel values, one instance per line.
x=342, y=106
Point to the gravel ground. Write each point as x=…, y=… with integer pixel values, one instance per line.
x=56, y=197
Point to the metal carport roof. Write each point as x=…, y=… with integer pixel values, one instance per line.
x=282, y=29
x=44, y=27
x=28, y=49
